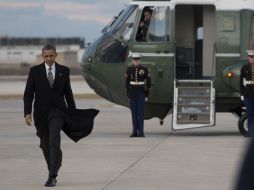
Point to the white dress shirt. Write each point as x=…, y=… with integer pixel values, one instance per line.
x=53, y=70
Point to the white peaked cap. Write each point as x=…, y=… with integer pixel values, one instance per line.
x=250, y=52
x=136, y=55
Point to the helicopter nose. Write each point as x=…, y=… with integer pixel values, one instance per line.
x=93, y=76
x=87, y=60
x=97, y=82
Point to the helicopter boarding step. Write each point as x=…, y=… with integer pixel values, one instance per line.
x=194, y=104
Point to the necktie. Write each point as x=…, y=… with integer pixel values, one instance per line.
x=50, y=77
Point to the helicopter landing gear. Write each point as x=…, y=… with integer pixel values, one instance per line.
x=242, y=125
x=161, y=122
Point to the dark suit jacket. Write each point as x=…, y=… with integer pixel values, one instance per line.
x=60, y=96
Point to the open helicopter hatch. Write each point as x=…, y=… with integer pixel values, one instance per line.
x=195, y=39
x=194, y=93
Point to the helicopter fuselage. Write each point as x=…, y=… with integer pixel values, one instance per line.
x=195, y=40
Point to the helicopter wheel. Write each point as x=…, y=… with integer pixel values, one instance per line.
x=243, y=125
x=161, y=122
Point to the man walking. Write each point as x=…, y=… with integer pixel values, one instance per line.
x=48, y=85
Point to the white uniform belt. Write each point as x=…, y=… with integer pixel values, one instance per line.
x=250, y=82
x=247, y=82
x=137, y=83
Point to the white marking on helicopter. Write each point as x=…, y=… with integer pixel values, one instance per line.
x=227, y=55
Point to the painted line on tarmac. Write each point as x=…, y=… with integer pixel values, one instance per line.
x=77, y=96
x=135, y=162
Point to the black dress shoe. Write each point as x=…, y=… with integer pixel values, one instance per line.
x=51, y=182
x=133, y=135
x=142, y=135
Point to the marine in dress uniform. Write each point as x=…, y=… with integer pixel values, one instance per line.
x=138, y=83
x=247, y=90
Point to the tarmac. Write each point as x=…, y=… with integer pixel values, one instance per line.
x=194, y=159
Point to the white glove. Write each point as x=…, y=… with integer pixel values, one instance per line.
x=242, y=98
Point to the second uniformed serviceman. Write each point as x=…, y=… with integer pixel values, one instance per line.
x=138, y=83
x=247, y=90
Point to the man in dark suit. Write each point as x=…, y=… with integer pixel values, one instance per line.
x=48, y=85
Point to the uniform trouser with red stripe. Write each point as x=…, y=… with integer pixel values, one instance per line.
x=249, y=104
x=137, y=113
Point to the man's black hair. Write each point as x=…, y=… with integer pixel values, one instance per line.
x=49, y=47
x=148, y=9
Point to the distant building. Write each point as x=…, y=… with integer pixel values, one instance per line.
x=23, y=52
x=66, y=58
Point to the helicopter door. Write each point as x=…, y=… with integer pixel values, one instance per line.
x=195, y=30
x=194, y=94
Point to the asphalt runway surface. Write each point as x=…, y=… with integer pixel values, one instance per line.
x=196, y=159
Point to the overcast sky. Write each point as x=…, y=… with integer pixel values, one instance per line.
x=57, y=18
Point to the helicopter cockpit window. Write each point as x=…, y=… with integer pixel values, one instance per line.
x=108, y=27
x=159, y=26
x=124, y=27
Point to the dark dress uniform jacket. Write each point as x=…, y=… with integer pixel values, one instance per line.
x=137, y=74
x=60, y=97
x=248, y=90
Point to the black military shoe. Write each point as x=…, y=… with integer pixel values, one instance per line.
x=133, y=135
x=142, y=135
x=51, y=182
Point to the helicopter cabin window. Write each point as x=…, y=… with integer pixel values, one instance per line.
x=153, y=25
x=124, y=28
x=144, y=24
x=228, y=32
x=251, y=45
